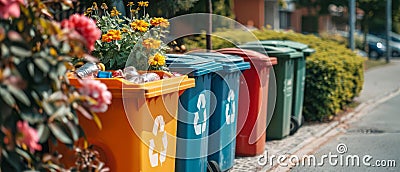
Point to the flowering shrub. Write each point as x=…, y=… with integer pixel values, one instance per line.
x=137, y=38
x=37, y=104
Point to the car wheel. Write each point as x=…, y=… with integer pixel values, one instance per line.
x=395, y=54
x=374, y=55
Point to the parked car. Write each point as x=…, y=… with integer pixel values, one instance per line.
x=394, y=43
x=376, y=46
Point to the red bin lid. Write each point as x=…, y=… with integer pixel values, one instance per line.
x=250, y=56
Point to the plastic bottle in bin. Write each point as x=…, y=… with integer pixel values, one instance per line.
x=89, y=70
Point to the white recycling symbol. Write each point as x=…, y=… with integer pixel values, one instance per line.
x=201, y=106
x=159, y=125
x=230, y=107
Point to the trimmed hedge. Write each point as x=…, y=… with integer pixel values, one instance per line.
x=334, y=73
x=334, y=77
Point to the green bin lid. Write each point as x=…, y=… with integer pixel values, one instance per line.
x=285, y=43
x=230, y=63
x=191, y=65
x=279, y=52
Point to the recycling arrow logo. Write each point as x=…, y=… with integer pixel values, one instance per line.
x=230, y=108
x=201, y=106
x=158, y=127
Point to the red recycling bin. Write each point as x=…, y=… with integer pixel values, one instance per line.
x=253, y=101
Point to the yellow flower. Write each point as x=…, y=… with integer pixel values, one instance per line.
x=152, y=62
x=125, y=30
x=88, y=11
x=157, y=59
x=143, y=3
x=53, y=52
x=133, y=11
x=130, y=4
x=140, y=25
x=115, y=12
x=2, y=34
x=151, y=43
x=159, y=21
x=95, y=6
x=104, y=6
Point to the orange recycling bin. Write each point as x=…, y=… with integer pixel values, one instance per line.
x=139, y=128
x=253, y=101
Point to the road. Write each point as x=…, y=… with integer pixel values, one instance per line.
x=373, y=136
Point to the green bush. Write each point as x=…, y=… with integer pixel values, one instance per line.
x=334, y=73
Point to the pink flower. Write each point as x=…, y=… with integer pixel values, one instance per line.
x=10, y=8
x=29, y=136
x=85, y=26
x=98, y=91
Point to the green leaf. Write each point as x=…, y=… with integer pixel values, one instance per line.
x=60, y=134
x=20, y=95
x=58, y=95
x=7, y=97
x=47, y=107
x=13, y=159
x=74, y=130
x=24, y=154
x=43, y=133
x=4, y=50
x=61, y=69
x=66, y=48
x=41, y=63
x=20, y=52
x=31, y=69
x=60, y=112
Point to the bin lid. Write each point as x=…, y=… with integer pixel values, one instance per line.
x=191, y=65
x=279, y=52
x=250, y=56
x=286, y=43
x=230, y=63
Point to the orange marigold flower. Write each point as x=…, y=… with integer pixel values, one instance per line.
x=151, y=43
x=159, y=21
x=140, y=25
x=111, y=35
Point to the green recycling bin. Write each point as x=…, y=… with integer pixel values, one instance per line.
x=299, y=78
x=279, y=126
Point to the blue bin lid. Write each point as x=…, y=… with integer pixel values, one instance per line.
x=230, y=63
x=191, y=65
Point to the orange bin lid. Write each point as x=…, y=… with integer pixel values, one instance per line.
x=149, y=89
x=250, y=56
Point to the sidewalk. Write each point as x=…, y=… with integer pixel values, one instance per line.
x=379, y=82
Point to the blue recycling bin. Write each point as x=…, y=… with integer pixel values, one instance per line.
x=225, y=87
x=193, y=112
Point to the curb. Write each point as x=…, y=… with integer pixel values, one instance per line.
x=359, y=110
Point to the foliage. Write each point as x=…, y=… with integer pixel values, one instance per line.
x=37, y=104
x=334, y=74
x=121, y=34
x=342, y=40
